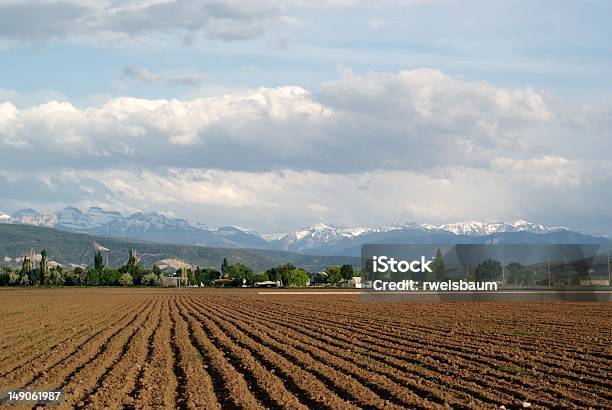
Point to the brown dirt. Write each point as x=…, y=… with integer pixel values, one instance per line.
x=209, y=349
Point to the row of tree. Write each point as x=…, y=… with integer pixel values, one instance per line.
x=134, y=274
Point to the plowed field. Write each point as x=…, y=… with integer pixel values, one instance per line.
x=198, y=349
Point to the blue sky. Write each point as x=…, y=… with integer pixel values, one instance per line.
x=562, y=47
x=187, y=93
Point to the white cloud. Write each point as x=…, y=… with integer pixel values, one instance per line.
x=364, y=149
x=168, y=78
x=226, y=20
x=39, y=20
x=414, y=120
x=283, y=200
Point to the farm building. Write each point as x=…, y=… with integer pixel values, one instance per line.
x=318, y=279
x=354, y=282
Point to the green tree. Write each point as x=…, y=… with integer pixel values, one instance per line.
x=439, y=270
x=150, y=279
x=225, y=268
x=347, y=272
x=334, y=274
x=276, y=273
x=207, y=276
x=98, y=262
x=133, y=269
x=14, y=278
x=519, y=274
x=110, y=277
x=92, y=277
x=296, y=278
x=126, y=279
x=42, y=270
x=55, y=276
x=27, y=271
x=5, y=276
x=241, y=274
x=259, y=277
x=488, y=270
x=75, y=277
x=191, y=276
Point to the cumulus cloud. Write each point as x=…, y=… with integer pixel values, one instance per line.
x=413, y=120
x=363, y=149
x=169, y=78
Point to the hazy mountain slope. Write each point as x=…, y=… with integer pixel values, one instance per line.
x=65, y=247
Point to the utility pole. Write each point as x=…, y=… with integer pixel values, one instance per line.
x=548, y=270
x=609, y=276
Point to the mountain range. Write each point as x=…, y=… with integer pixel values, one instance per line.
x=320, y=239
x=75, y=249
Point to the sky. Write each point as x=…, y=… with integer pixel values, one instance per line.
x=278, y=114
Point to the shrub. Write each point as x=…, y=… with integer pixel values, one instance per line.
x=125, y=279
x=150, y=279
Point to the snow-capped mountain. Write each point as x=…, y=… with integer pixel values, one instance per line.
x=320, y=239
x=322, y=234
x=488, y=228
x=325, y=236
x=152, y=226
x=32, y=217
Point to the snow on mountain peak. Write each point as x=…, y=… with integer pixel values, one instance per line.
x=160, y=227
x=488, y=228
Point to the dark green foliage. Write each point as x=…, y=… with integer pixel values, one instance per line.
x=42, y=270
x=334, y=274
x=110, y=277
x=296, y=278
x=92, y=277
x=5, y=276
x=241, y=274
x=438, y=270
x=488, y=270
x=347, y=272
x=98, y=262
x=276, y=273
x=206, y=276
x=519, y=274
x=224, y=268
x=287, y=273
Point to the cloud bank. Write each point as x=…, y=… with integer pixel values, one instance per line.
x=233, y=20
x=373, y=148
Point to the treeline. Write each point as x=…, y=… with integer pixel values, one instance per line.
x=134, y=274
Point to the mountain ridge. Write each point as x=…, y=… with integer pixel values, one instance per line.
x=68, y=248
x=321, y=238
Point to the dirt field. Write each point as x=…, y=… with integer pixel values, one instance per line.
x=215, y=348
